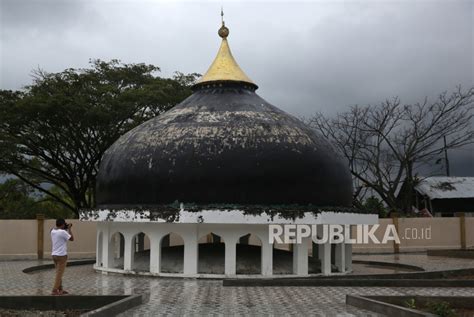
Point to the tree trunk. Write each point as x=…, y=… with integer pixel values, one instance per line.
x=405, y=196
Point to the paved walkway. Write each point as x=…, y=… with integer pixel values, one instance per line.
x=208, y=297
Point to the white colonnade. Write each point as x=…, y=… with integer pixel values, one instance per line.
x=191, y=233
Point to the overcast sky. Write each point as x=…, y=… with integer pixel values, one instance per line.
x=305, y=56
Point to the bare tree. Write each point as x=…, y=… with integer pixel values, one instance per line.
x=386, y=144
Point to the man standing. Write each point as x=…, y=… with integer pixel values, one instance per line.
x=60, y=236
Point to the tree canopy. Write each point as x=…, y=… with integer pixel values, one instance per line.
x=18, y=200
x=56, y=130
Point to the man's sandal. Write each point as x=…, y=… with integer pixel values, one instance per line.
x=56, y=292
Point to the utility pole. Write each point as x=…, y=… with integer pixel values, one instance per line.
x=446, y=156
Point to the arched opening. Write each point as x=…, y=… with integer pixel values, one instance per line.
x=116, y=250
x=249, y=255
x=141, y=253
x=282, y=258
x=172, y=253
x=211, y=254
x=99, y=260
x=314, y=263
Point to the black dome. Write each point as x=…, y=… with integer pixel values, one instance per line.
x=223, y=144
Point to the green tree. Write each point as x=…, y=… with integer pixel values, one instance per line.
x=18, y=200
x=56, y=130
x=15, y=200
x=375, y=205
x=51, y=208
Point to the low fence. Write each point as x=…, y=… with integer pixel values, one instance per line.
x=29, y=239
x=421, y=234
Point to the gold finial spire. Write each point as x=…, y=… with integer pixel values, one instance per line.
x=224, y=67
x=223, y=31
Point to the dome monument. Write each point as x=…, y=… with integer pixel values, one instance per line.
x=223, y=164
x=223, y=144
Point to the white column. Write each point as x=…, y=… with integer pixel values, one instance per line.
x=108, y=248
x=348, y=254
x=340, y=257
x=98, y=247
x=230, y=256
x=155, y=254
x=300, y=258
x=325, y=257
x=191, y=252
x=267, y=258
x=105, y=246
x=129, y=253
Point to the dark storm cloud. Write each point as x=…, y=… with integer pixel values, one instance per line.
x=364, y=52
x=305, y=56
x=22, y=15
x=462, y=162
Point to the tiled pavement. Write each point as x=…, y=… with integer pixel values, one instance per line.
x=208, y=297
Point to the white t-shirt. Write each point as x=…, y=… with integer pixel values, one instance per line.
x=59, y=237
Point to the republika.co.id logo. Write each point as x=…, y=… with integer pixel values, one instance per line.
x=362, y=234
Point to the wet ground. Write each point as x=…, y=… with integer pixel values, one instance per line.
x=42, y=313
x=193, y=297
